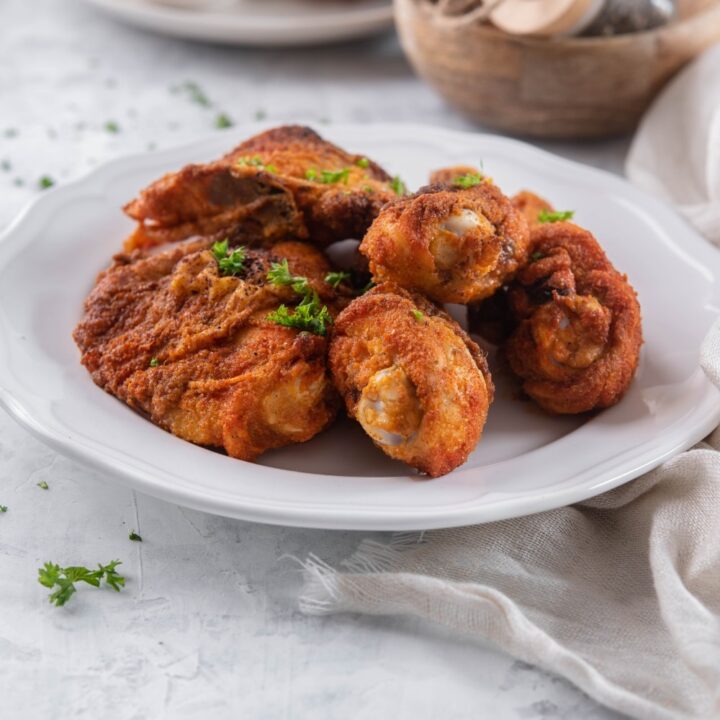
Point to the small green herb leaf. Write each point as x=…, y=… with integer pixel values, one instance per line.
x=468, y=180
x=398, y=186
x=362, y=162
x=335, y=278
x=45, y=182
x=112, y=127
x=3, y=508
x=309, y=316
x=51, y=575
x=154, y=362
x=547, y=216
x=279, y=274
x=417, y=314
x=229, y=262
x=43, y=485
x=536, y=256
x=223, y=121
x=328, y=177
x=134, y=536
x=260, y=114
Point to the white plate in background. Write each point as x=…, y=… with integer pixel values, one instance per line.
x=256, y=22
x=526, y=461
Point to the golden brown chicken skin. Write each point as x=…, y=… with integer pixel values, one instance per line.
x=454, y=244
x=173, y=336
x=569, y=324
x=203, y=200
x=414, y=380
x=339, y=193
x=285, y=182
x=530, y=206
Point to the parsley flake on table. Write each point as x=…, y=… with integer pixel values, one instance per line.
x=548, y=216
x=51, y=575
x=45, y=182
x=398, y=186
x=229, y=262
x=468, y=180
x=309, y=316
x=196, y=94
x=43, y=485
x=3, y=508
x=336, y=277
x=112, y=127
x=134, y=536
x=279, y=274
x=260, y=114
x=223, y=121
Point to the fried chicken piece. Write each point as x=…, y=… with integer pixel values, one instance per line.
x=285, y=182
x=173, y=336
x=569, y=324
x=208, y=199
x=452, y=243
x=339, y=193
x=414, y=380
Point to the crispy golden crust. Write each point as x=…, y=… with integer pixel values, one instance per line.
x=412, y=377
x=170, y=336
x=215, y=199
x=570, y=322
x=448, y=175
x=530, y=206
x=333, y=210
x=453, y=244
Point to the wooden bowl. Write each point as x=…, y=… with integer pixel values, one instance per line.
x=553, y=88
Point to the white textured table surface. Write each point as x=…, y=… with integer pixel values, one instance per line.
x=207, y=625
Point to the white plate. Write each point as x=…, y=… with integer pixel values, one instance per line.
x=258, y=22
x=526, y=461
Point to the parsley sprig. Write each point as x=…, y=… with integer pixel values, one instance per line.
x=257, y=162
x=51, y=575
x=468, y=180
x=548, y=216
x=310, y=315
x=229, y=262
x=328, y=177
x=398, y=186
x=336, y=277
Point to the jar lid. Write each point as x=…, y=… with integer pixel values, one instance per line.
x=545, y=17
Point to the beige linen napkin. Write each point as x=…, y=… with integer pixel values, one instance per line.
x=619, y=594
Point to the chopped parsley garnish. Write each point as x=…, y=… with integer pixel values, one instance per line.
x=134, y=536
x=547, y=216
x=279, y=274
x=112, y=127
x=196, y=93
x=417, y=314
x=309, y=316
x=43, y=485
x=536, y=256
x=45, y=182
x=468, y=180
x=51, y=575
x=6, y=166
x=368, y=188
x=398, y=186
x=335, y=278
x=255, y=161
x=260, y=114
x=229, y=262
x=362, y=162
x=327, y=177
x=3, y=508
x=223, y=121
x=154, y=362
